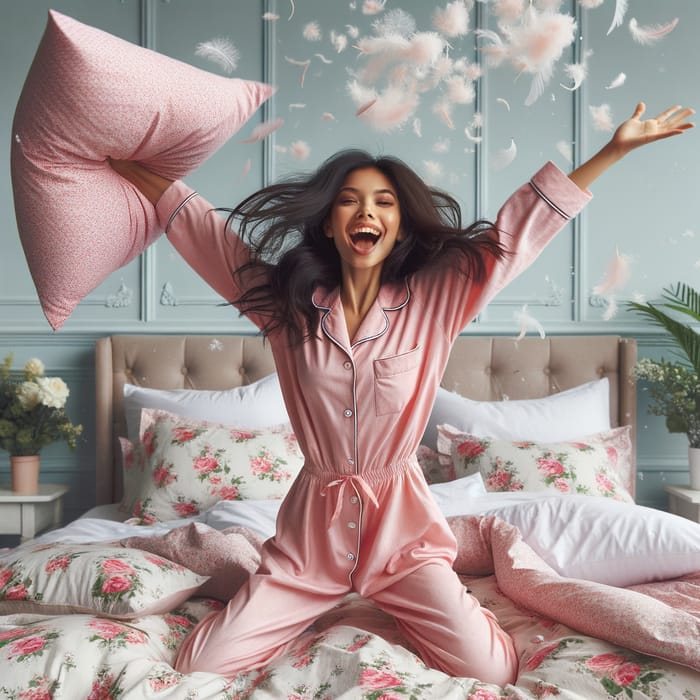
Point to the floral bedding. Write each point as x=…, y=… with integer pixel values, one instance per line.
x=576, y=639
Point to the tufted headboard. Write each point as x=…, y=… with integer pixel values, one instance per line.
x=480, y=367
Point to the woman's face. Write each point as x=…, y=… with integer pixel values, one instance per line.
x=365, y=220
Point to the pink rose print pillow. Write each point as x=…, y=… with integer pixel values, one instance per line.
x=90, y=95
x=589, y=466
x=57, y=579
x=182, y=467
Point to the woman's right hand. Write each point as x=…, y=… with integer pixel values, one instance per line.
x=147, y=182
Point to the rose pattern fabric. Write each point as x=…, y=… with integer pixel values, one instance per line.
x=113, y=581
x=182, y=467
x=584, y=467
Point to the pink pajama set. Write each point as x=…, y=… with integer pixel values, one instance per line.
x=360, y=517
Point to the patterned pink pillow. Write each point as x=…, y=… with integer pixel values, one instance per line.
x=89, y=95
x=588, y=466
x=182, y=467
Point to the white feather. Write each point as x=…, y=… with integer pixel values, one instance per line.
x=650, y=34
x=577, y=71
x=590, y=4
x=503, y=158
x=453, y=19
x=610, y=308
x=504, y=102
x=312, y=31
x=619, y=16
x=528, y=322
x=564, y=147
x=601, y=116
x=373, y=7
x=616, y=276
x=339, y=41
x=617, y=81
x=220, y=51
x=299, y=150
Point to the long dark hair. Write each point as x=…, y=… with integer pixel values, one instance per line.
x=291, y=255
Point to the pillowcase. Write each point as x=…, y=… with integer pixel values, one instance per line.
x=256, y=405
x=228, y=557
x=57, y=579
x=183, y=467
x=588, y=466
x=89, y=95
x=599, y=539
x=581, y=410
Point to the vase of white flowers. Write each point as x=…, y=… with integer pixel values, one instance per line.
x=674, y=387
x=32, y=416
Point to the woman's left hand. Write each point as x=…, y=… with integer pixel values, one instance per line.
x=635, y=132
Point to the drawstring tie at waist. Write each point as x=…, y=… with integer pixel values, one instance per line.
x=357, y=483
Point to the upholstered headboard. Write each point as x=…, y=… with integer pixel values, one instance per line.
x=482, y=368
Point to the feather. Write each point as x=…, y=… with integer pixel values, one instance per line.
x=312, y=31
x=610, y=307
x=246, y=167
x=441, y=146
x=617, y=81
x=443, y=110
x=452, y=20
x=503, y=158
x=590, y=4
x=616, y=276
x=322, y=58
x=577, y=71
x=433, y=170
x=373, y=7
x=601, y=116
x=220, y=51
x=296, y=105
x=328, y=117
x=564, y=147
x=353, y=31
x=291, y=10
x=508, y=11
x=503, y=102
x=417, y=127
x=474, y=139
x=304, y=64
x=299, y=150
x=477, y=120
x=398, y=22
x=650, y=34
x=263, y=130
x=528, y=322
x=620, y=12
x=270, y=17
x=363, y=108
x=392, y=108
x=459, y=91
x=536, y=89
x=339, y=41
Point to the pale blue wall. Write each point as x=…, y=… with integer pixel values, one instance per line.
x=648, y=205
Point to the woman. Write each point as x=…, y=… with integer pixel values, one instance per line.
x=361, y=277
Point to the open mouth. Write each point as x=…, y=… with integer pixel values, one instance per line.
x=365, y=239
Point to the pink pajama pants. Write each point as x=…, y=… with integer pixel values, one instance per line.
x=302, y=577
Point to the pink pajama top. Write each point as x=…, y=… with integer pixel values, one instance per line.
x=360, y=509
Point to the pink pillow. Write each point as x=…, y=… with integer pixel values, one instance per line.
x=89, y=95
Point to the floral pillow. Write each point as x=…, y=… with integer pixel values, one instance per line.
x=588, y=466
x=55, y=579
x=182, y=467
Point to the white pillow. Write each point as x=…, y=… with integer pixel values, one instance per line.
x=582, y=410
x=594, y=538
x=256, y=405
x=452, y=495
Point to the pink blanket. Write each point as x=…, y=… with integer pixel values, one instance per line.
x=661, y=619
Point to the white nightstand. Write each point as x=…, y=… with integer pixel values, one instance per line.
x=26, y=515
x=682, y=500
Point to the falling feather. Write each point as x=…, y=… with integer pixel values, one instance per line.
x=577, y=71
x=312, y=31
x=322, y=58
x=433, y=170
x=650, y=34
x=503, y=158
x=503, y=102
x=590, y=4
x=303, y=64
x=452, y=20
x=398, y=22
x=610, y=307
x=363, y=108
x=619, y=16
x=328, y=117
x=459, y=90
x=373, y=7
x=292, y=9
x=270, y=17
x=617, y=81
x=417, y=127
x=441, y=146
x=602, y=117
x=296, y=105
x=471, y=137
x=616, y=276
x=220, y=51
x=508, y=11
x=392, y=108
x=339, y=41
x=442, y=109
x=528, y=322
x=564, y=147
x=263, y=130
x=246, y=167
x=299, y=150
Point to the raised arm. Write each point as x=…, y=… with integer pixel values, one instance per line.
x=631, y=134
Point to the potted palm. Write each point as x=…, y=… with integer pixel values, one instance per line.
x=675, y=385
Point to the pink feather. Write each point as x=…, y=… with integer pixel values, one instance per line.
x=650, y=34
x=616, y=276
x=264, y=130
x=452, y=20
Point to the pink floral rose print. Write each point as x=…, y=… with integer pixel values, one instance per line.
x=148, y=441
x=228, y=493
x=469, y=449
x=604, y=484
x=163, y=475
x=550, y=466
x=483, y=694
x=186, y=508
x=31, y=645
x=5, y=576
x=204, y=465
x=57, y=564
x=116, y=584
x=16, y=592
x=181, y=434
x=117, y=566
x=625, y=674
x=379, y=679
x=243, y=435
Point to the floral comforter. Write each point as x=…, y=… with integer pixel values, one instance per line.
x=576, y=639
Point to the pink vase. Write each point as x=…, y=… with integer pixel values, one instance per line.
x=25, y=474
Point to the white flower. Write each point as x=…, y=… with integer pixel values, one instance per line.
x=34, y=368
x=28, y=395
x=53, y=390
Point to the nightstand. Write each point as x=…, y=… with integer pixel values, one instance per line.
x=682, y=500
x=27, y=515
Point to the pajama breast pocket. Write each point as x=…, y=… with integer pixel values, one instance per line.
x=395, y=380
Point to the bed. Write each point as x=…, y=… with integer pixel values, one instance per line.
x=529, y=453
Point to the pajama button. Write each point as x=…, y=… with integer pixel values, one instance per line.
x=354, y=499
x=352, y=525
x=351, y=556
x=347, y=365
x=347, y=412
